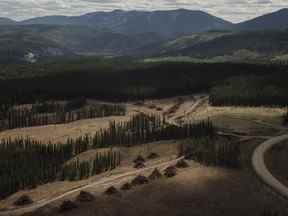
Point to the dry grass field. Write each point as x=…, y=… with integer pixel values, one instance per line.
x=60, y=132
x=166, y=150
x=197, y=190
x=246, y=120
x=241, y=119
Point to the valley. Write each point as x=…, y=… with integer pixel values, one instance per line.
x=248, y=126
x=161, y=111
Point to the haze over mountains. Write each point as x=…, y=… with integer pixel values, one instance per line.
x=276, y=20
x=165, y=23
x=139, y=33
x=6, y=21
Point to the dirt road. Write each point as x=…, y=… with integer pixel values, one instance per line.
x=104, y=182
x=260, y=168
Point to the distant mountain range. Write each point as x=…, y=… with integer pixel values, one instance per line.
x=165, y=23
x=139, y=33
x=6, y=21
x=275, y=20
x=227, y=44
x=44, y=41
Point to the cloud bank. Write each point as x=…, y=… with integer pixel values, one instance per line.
x=232, y=10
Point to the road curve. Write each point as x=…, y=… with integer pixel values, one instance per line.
x=102, y=182
x=258, y=163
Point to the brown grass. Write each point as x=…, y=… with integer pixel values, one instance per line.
x=167, y=150
x=196, y=191
x=61, y=132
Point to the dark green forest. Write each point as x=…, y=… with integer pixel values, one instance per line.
x=55, y=113
x=154, y=81
x=266, y=90
x=18, y=169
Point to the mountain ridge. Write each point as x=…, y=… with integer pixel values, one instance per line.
x=169, y=23
x=274, y=20
x=7, y=21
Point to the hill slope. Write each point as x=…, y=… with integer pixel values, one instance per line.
x=165, y=23
x=225, y=44
x=84, y=40
x=6, y=21
x=275, y=20
x=24, y=46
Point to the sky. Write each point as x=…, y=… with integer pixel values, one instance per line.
x=231, y=10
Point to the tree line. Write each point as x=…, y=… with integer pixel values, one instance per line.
x=53, y=113
x=148, y=128
x=285, y=118
x=102, y=162
x=148, y=81
x=141, y=129
x=26, y=163
x=212, y=152
x=266, y=90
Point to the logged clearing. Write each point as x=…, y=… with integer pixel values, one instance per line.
x=172, y=107
x=196, y=190
x=266, y=114
x=249, y=120
x=245, y=120
x=60, y=132
x=166, y=150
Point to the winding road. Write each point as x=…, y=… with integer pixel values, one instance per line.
x=104, y=182
x=258, y=162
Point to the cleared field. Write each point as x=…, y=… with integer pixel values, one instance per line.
x=246, y=120
x=196, y=190
x=60, y=132
x=166, y=150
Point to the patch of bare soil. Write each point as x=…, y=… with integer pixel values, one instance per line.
x=166, y=150
x=174, y=109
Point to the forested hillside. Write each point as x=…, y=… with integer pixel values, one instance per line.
x=155, y=80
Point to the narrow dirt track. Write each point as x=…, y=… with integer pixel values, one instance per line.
x=258, y=164
x=104, y=182
x=260, y=168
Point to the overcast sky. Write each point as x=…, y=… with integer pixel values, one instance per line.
x=232, y=10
